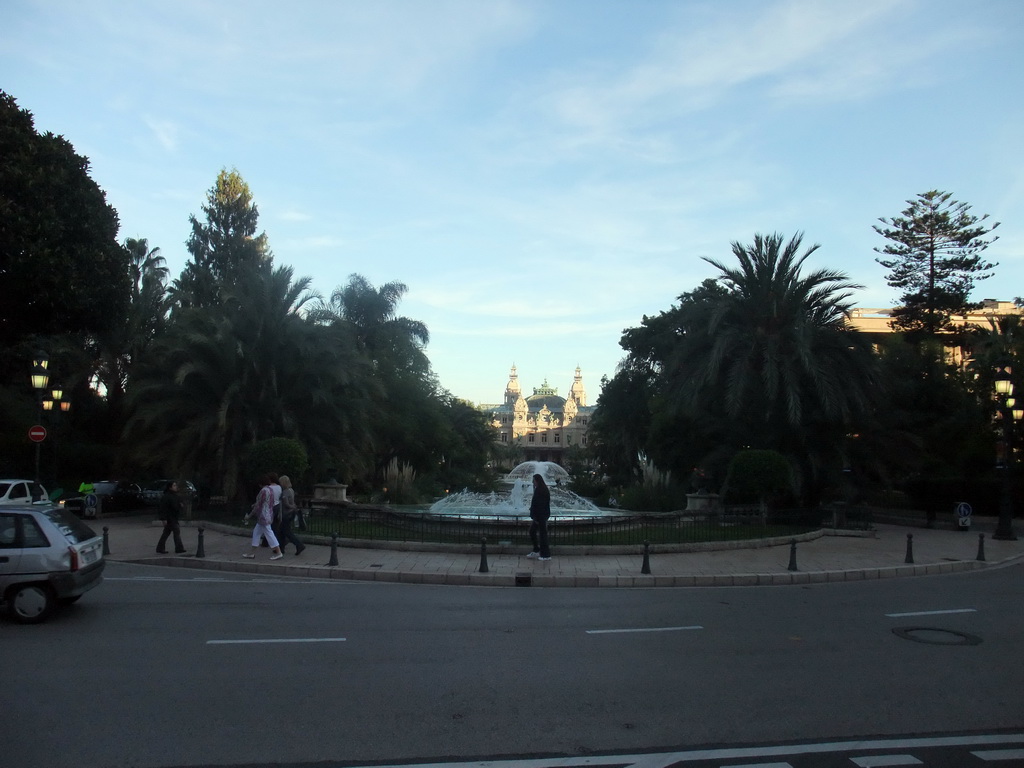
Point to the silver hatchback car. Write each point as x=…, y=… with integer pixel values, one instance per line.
x=48, y=557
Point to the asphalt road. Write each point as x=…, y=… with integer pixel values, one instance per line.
x=165, y=667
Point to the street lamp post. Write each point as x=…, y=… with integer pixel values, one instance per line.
x=58, y=405
x=1008, y=412
x=40, y=378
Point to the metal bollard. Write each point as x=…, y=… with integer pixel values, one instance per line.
x=334, y=549
x=981, y=547
x=200, y=550
x=910, y=548
x=792, y=555
x=106, y=541
x=646, y=567
x=483, y=555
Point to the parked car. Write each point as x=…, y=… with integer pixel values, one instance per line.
x=48, y=557
x=22, y=492
x=155, y=490
x=114, y=496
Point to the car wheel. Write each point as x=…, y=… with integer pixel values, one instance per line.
x=30, y=603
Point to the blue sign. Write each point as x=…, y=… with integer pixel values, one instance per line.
x=963, y=509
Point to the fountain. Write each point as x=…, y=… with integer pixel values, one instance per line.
x=516, y=501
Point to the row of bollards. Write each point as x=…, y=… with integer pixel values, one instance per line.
x=910, y=548
x=909, y=559
x=645, y=568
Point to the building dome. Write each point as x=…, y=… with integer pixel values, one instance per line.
x=546, y=397
x=553, y=403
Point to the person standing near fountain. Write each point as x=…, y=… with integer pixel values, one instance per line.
x=540, y=511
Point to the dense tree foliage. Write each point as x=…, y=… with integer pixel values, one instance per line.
x=62, y=269
x=224, y=247
x=224, y=378
x=250, y=354
x=763, y=358
x=755, y=372
x=934, y=252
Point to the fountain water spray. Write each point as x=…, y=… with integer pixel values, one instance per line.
x=516, y=501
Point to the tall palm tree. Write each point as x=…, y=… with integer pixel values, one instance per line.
x=388, y=339
x=404, y=412
x=774, y=359
x=253, y=369
x=111, y=357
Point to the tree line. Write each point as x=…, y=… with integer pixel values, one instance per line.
x=192, y=376
x=753, y=373
x=762, y=361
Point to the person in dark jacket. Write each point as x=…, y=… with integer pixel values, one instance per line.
x=170, y=509
x=540, y=511
x=289, y=510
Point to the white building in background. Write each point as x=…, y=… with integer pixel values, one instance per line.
x=544, y=425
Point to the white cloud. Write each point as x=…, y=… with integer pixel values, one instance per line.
x=165, y=131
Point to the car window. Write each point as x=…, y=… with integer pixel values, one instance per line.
x=8, y=531
x=3, y=489
x=37, y=491
x=19, y=492
x=73, y=529
x=34, y=536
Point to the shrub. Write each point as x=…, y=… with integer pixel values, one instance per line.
x=280, y=455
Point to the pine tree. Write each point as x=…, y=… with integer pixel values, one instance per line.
x=935, y=249
x=225, y=246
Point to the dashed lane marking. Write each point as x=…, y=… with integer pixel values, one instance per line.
x=640, y=629
x=278, y=640
x=992, y=755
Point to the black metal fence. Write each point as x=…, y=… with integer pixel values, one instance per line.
x=385, y=524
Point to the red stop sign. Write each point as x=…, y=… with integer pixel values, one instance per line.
x=37, y=434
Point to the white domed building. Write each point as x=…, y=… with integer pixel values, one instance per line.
x=544, y=425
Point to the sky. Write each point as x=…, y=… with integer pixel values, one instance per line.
x=540, y=175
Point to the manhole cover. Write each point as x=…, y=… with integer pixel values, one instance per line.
x=936, y=636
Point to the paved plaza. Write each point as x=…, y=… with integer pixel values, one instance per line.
x=818, y=557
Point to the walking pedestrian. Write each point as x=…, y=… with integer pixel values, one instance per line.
x=289, y=509
x=263, y=511
x=170, y=510
x=540, y=511
x=275, y=486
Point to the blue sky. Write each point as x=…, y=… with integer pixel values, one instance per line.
x=540, y=175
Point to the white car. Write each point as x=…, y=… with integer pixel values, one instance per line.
x=48, y=557
x=22, y=492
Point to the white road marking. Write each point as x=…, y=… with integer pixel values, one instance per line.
x=931, y=613
x=728, y=753
x=639, y=629
x=278, y=640
x=880, y=761
x=220, y=580
x=991, y=755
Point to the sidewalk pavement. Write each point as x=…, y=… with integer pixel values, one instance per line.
x=819, y=557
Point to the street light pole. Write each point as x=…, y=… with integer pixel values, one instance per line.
x=59, y=404
x=1007, y=414
x=40, y=378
